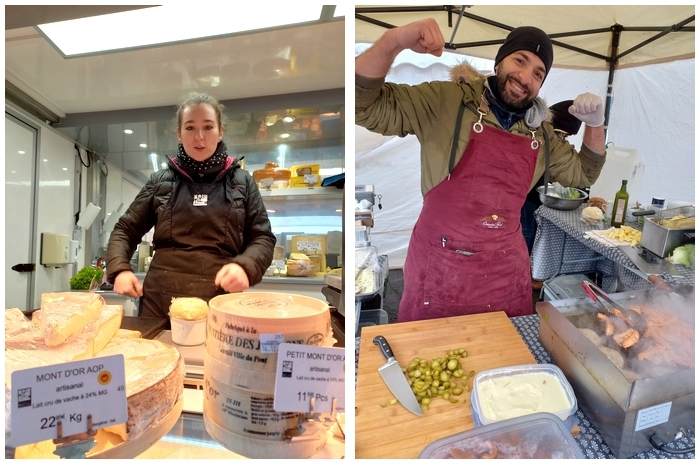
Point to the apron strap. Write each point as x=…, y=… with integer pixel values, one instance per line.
x=546, y=158
x=458, y=127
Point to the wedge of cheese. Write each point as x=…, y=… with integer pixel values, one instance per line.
x=126, y=333
x=63, y=314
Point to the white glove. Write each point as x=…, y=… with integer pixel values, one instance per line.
x=588, y=108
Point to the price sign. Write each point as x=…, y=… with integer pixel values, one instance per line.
x=313, y=246
x=308, y=371
x=310, y=179
x=67, y=393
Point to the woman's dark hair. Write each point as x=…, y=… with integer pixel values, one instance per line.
x=196, y=98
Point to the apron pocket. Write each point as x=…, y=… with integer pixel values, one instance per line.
x=455, y=278
x=488, y=184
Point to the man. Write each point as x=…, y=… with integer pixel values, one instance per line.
x=483, y=145
x=564, y=124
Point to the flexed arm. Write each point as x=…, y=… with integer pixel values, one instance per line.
x=422, y=36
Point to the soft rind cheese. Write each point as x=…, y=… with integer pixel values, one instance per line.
x=25, y=346
x=63, y=314
x=154, y=374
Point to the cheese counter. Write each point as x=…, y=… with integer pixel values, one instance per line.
x=189, y=438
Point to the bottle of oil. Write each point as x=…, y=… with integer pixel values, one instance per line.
x=620, y=206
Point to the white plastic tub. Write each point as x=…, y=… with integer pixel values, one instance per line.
x=503, y=385
x=188, y=333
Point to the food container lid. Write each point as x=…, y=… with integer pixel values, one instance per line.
x=535, y=436
x=522, y=404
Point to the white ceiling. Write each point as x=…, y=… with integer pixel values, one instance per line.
x=292, y=60
x=298, y=70
x=582, y=34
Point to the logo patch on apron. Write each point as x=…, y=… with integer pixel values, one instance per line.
x=200, y=200
x=493, y=222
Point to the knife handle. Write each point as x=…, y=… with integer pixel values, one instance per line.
x=383, y=346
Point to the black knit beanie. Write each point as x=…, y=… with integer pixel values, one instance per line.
x=562, y=119
x=531, y=39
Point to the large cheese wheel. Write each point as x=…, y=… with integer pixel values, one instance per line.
x=240, y=324
x=154, y=374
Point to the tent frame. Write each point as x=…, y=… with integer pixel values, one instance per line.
x=615, y=31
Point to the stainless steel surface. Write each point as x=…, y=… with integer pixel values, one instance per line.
x=566, y=204
x=661, y=240
x=605, y=393
x=395, y=379
x=657, y=266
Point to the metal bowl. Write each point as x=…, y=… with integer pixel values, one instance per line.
x=566, y=204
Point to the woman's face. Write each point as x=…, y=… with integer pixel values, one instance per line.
x=200, y=131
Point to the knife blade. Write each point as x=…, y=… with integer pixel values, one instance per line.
x=394, y=378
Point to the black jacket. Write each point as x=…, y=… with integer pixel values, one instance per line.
x=254, y=243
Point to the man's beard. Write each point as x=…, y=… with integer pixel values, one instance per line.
x=506, y=98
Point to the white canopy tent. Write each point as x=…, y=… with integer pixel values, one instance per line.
x=651, y=102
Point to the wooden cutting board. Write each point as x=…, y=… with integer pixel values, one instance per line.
x=394, y=432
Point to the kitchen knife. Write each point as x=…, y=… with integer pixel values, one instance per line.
x=395, y=379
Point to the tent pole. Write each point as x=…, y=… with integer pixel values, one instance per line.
x=616, y=29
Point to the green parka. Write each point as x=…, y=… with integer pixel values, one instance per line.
x=429, y=111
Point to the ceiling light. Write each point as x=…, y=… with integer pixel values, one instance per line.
x=128, y=131
x=21, y=152
x=289, y=118
x=338, y=210
x=162, y=25
x=143, y=145
x=270, y=210
x=65, y=169
x=285, y=135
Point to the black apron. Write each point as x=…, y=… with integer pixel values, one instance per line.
x=193, y=240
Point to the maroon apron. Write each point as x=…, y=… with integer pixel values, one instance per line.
x=467, y=253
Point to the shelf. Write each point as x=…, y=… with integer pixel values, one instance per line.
x=294, y=194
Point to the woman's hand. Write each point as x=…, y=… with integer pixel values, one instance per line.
x=232, y=278
x=128, y=284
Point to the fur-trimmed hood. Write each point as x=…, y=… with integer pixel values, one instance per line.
x=464, y=73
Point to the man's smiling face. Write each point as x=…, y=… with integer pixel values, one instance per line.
x=520, y=76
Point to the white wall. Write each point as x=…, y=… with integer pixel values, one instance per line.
x=56, y=164
x=57, y=179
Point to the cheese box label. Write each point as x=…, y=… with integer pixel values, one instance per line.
x=269, y=343
x=305, y=372
x=67, y=393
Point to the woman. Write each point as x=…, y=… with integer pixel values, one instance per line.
x=212, y=234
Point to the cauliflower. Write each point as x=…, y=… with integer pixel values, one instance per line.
x=684, y=255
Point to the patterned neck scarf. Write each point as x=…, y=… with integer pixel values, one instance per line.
x=210, y=165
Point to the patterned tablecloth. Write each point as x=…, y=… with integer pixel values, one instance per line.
x=588, y=439
x=559, y=231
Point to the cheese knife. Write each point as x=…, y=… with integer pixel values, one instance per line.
x=395, y=379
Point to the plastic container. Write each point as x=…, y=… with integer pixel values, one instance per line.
x=371, y=270
x=526, y=373
x=535, y=436
x=188, y=333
